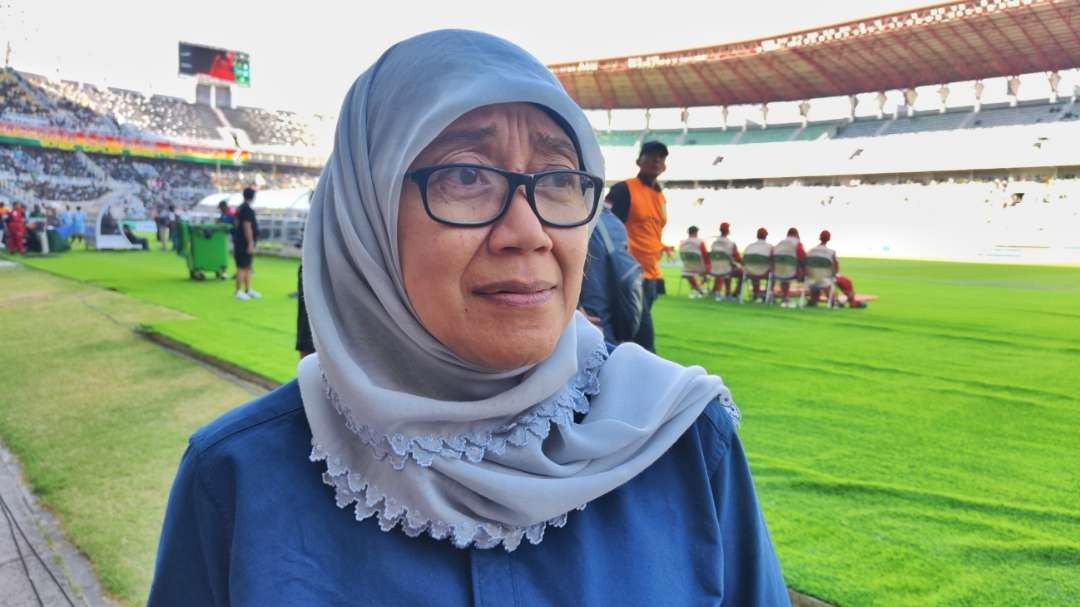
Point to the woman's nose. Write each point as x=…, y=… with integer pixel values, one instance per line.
x=519, y=228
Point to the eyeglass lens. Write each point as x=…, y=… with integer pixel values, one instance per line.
x=476, y=195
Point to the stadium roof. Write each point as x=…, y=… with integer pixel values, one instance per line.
x=949, y=42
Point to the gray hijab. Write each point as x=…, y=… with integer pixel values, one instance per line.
x=412, y=434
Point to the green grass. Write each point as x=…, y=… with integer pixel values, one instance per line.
x=257, y=335
x=99, y=416
x=924, y=451
x=920, y=452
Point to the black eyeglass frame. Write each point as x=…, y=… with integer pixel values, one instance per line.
x=420, y=178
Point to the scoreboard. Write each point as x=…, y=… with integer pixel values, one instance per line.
x=221, y=65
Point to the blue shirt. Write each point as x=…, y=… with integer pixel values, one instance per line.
x=599, y=279
x=250, y=522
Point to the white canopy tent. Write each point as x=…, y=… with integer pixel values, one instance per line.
x=106, y=233
x=288, y=202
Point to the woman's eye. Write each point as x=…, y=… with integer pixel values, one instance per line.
x=466, y=176
x=562, y=180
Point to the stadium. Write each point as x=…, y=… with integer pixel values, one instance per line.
x=919, y=452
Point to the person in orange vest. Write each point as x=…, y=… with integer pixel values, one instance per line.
x=842, y=282
x=640, y=204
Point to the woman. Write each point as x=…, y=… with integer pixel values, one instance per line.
x=461, y=436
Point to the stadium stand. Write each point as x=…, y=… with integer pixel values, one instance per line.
x=1034, y=112
x=16, y=102
x=266, y=127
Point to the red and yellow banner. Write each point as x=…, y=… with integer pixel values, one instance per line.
x=96, y=143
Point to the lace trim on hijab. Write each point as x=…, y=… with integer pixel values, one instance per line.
x=534, y=422
x=370, y=501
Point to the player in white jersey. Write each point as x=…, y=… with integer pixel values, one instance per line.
x=789, y=247
x=724, y=270
x=842, y=282
x=753, y=268
x=696, y=263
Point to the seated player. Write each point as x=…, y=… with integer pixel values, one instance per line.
x=762, y=248
x=842, y=282
x=724, y=275
x=695, y=258
x=791, y=246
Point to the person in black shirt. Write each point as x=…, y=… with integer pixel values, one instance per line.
x=244, y=233
x=304, y=343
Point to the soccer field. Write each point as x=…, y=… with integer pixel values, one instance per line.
x=919, y=452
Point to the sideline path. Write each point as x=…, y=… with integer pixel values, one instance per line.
x=98, y=417
x=70, y=569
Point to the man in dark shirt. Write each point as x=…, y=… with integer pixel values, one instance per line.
x=244, y=234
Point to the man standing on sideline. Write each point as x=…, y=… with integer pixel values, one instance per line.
x=165, y=220
x=641, y=206
x=842, y=282
x=244, y=234
x=727, y=245
x=3, y=222
x=16, y=229
x=78, y=226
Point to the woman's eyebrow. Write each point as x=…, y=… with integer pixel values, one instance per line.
x=554, y=144
x=466, y=135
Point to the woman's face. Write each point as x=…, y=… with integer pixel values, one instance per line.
x=498, y=295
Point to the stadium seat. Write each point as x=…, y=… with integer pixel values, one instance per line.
x=693, y=266
x=821, y=274
x=757, y=266
x=785, y=267
x=723, y=267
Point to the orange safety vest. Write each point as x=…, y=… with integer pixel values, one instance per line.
x=644, y=224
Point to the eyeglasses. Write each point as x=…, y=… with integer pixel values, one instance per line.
x=473, y=195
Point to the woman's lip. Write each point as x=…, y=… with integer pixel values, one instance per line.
x=533, y=298
x=514, y=286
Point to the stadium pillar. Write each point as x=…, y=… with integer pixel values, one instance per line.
x=723, y=117
x=684, y=116
x=648, y=119
x=910, y=95
x=881, y=98
x=610, y=120
x=804, y=111
x=764, y=115
x=853, y=102
x=979, y=86
x=1012, y=87
x=943, y=92
x=1054, y=79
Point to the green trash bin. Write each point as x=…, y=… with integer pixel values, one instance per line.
x=57, y=243
x=205, y=248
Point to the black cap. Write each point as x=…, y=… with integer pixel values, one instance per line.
x=249, y=193
x=653, y=147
